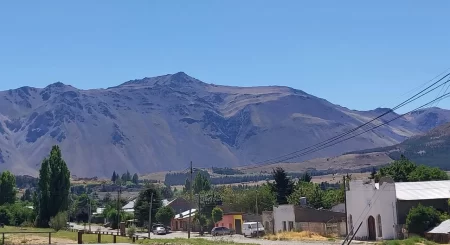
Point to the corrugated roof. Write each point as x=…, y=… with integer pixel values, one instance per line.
x=424, y=190
x=442, y=228
x=185, y=214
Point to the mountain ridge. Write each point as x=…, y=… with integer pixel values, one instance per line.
x=162, y=123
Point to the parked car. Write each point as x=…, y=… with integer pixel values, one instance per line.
x=159, y=230
x=106, y=225
x=252, y=229
x=168, y=229
x=221, y=231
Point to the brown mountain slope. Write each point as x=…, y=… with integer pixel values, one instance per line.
x=162, y=123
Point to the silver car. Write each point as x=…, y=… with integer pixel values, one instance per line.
x=159, y=230
x=221, y=231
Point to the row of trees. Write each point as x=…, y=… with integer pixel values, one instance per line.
x=126, y=177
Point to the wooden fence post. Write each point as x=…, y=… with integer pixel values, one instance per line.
x=80, y=237
x=49, y=238
x=99, y=238
x=114, y=238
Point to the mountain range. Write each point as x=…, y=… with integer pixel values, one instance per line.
x=162, y=123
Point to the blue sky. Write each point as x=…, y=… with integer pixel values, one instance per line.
x=359, y=54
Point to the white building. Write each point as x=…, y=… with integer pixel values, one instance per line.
x=381, y=208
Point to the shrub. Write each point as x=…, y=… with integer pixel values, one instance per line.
x=131, y=231
x=59, y=221
x=422, y=218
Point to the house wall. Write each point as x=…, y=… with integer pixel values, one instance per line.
x=364, y=200
x=267, y=221
x=283, y=213
x=403, y=207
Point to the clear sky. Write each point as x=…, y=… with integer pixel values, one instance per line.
x=359, y=54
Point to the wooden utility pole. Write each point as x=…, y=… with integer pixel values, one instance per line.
x=190, y=209
x=257, y=222
x=345, y=204
x=150, y=215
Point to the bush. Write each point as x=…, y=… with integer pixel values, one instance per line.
x=422, y=218
x=59, y=221
x=131, y=231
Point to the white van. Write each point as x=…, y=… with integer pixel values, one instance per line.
x=251, y=229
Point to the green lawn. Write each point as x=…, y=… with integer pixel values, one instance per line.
x=409, y=241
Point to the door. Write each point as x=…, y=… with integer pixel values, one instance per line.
x=371, y=225
x=238, y=226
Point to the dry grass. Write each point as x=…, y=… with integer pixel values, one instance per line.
x=296, y=236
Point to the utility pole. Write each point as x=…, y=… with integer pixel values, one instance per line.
x=190, y=209
x=257, y=222
x=90, y=211
x=150, y=215
x=118, y=205
x=345, y=204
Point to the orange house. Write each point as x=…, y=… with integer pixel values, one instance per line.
x=232, y=220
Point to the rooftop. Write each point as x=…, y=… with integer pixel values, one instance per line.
x=424, y=190
x=442, y=228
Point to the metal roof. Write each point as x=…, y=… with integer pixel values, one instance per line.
x=424, y=190
x=442, y=228
x=185, y=214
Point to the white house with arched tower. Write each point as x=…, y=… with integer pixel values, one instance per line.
x=380, y=209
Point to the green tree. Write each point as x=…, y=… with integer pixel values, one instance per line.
x=283, y=185
x=404, y=170
x=142, y=205
x=7, y=188
x=124, y=178
x=425, y=173
x=201, y=183
x=135, y=179
x=398, y=170
x=201, y=220
x=54, y=186
x=114, y=177
x=165, y=215
x=128, y=176
x=187, y=185
x=27, y=196
x=422, y=218
x=217, y=214
x=5, y=216
x=306, y=177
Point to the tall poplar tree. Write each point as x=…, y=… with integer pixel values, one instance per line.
x=54, y=186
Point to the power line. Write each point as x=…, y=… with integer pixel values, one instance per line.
x=411, y=99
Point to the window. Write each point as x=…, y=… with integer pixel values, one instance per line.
x=291, y=225
x=380, y=228
x=350, y=224
x=284, y=225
